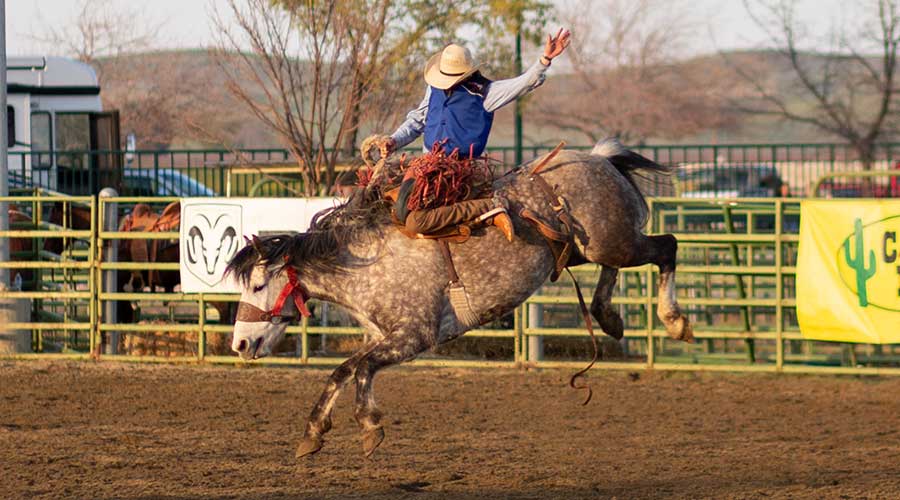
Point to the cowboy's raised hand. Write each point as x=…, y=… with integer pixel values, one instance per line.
x=557, y=44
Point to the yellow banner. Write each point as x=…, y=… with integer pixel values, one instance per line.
x=848, y=271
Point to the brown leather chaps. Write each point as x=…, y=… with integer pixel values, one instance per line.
x=431, y=220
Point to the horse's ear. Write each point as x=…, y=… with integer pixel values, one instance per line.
x=256, y=245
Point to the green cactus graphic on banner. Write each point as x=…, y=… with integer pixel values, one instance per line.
x=858, y=263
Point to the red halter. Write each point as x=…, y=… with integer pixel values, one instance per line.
x=249, y=313
x=295, y=290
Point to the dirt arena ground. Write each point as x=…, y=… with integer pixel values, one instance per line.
x=108, y=430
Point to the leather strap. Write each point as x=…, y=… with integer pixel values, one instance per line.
x=554, y=238
x=249, y=313
x=451, y=269
x=590, y=328
x=563, y=247
x=545, y=230
x=545, y=160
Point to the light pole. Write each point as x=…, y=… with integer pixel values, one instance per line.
x=11, y=310
x=518, y=124
x=4, y=160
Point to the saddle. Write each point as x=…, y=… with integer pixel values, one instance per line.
x=143, y=218
x=459, y=233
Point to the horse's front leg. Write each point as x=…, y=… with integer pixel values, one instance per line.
x=320, y=418
x=402, y=345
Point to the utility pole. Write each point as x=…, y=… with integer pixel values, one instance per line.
x=4, y=159
x=518, y=125
x=11, y=309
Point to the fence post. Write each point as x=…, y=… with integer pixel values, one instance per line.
x=535, y=342
x=110, y=253
x=739, y=281
x=517, y=336
x=14, y=310
x=779, y=286
x=648, y=303
x=201, y=334
x=648, y=297
x=304, y=338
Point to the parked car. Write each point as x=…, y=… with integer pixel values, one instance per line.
x=729, y=181
x=150, y=182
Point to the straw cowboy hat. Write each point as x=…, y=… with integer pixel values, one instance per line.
x=449, y=67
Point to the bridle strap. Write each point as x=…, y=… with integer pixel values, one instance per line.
x=251, y=314
x=248, y=313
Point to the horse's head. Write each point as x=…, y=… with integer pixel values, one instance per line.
x=271, y=297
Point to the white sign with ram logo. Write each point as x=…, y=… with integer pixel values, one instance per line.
x=213, y=230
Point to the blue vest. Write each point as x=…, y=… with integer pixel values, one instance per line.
x=459, y=118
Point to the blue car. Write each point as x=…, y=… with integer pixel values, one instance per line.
x=149, y=182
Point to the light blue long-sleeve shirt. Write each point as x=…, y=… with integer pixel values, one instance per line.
x=499, y=94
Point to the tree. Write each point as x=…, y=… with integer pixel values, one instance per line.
x=170, y=99
x=626, y=81
x=159, y=95
x=319, y=72
x=848, y=93
x=102, y=31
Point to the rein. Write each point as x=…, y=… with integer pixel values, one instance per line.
x=562, y=255
x=249, y=313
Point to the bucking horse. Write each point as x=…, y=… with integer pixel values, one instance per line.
x=397, y=287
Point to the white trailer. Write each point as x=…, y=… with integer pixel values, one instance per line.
x=57, y=125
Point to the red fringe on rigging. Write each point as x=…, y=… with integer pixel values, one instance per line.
x=443, y=179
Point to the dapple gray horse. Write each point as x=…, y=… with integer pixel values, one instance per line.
x=397, y=287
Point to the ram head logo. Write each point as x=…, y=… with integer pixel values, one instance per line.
x=210, y=242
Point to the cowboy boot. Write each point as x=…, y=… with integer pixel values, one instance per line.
x=505, y=224
x=499, y=217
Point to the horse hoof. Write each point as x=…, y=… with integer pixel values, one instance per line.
x=308, y=446
x=613, y=325
x=371, y=439
x=680, y=329
x=687, y=334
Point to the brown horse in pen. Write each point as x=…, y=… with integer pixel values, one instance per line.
x=157, y=251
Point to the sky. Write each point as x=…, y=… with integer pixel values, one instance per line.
x=721, y=24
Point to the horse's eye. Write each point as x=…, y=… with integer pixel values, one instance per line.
x=259, y=288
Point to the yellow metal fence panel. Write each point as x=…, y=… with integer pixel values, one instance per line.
x=736, y=281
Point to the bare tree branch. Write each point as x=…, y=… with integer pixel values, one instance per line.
x=624, y=82
x=850, y=93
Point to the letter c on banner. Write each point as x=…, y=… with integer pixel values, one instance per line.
x=892, y=256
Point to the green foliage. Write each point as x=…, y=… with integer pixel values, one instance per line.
x=419, y=28
x=858, y=263
x=497, y=22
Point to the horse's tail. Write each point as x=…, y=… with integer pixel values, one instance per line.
x=642, y=173
x=626, y=160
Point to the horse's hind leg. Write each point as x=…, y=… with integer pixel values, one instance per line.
x=397, y=348
x=664, y=254
x=601, y=306
x=662, y=251
x=320, y=418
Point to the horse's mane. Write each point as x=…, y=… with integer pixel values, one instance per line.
x=363, y=215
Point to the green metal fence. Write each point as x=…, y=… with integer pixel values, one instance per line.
x=736, y=281
x=728, y=170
